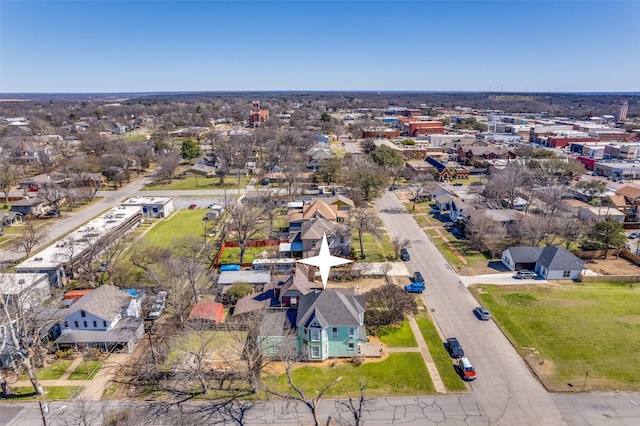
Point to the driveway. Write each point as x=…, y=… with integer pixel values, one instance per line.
x=504, y=278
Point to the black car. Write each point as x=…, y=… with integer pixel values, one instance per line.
x=454, y=348
x=404, y=255
x=417, y=277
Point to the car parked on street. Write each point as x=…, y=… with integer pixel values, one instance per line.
x=404, y=254
x=634, y=235
x=482, y=313
x=524, y=274
x=192, y=206
x=454, y=348
x=466, y=370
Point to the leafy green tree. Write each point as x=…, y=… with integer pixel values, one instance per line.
x=386, y=157
x=367, y=179
x=329, y=170
x=607, y=234
x=238, y=291
x=592, y=188
x=190, y=149
x=325, y=117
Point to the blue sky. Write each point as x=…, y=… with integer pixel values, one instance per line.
x=144, y=46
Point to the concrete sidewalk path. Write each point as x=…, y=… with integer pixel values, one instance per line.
x=426, y=355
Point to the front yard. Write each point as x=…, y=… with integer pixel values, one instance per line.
x=574, y=336
x=230, y=183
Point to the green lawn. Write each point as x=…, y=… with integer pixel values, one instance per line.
x=80, y=373
x=232, y=254
x=397, y=336
x=441, y=358
x=574, y=329
x=230, y=183
x=54, y=393
x=52, y=372
x=230, y=342
x=472, y=256
x=401, y=373
x=187, y=222
x=376, y=250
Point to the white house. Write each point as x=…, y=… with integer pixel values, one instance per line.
x=23, y=291
x=600, y=214
x=107, y=317
x=152, y=206
x=551, y=263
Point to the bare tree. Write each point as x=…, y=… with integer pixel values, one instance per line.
x=167, y=166
x=9, y=174
x=267, y=201
x=31, y=236
x=530, y=230
x=364, y=220
x=388, y=304
x=192, y=361
x=54, y=195
x=570, y=230
x=481, y=230
x=399, y=244
x=189, y=250
x=244, y=223
x=355, y=405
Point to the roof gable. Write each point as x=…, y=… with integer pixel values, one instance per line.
x=524, y=254
x=104, y=302
x=330, y=308
x=629, y=192
x=555, y=258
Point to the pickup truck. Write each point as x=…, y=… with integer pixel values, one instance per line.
x=415, y=287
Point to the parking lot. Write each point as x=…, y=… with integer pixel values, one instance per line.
x=181, y=203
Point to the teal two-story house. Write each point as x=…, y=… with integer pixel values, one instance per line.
x=330, y=324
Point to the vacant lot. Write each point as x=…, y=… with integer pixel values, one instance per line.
x=182, y=223
x=574, y=336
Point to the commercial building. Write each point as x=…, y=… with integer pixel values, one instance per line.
x=152, y=206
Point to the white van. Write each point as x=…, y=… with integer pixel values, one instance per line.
x=466, y=369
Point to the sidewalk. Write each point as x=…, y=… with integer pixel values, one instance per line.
x=93, y=388
x=426, y=355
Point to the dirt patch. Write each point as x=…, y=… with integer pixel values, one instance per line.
x=613, y=266
x=476, y=268
x=361, y=285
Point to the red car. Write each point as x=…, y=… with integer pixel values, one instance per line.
x=192, y=206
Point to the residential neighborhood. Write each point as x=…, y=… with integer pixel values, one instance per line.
x=184, y=276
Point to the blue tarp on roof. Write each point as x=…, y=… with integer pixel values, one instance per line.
x=296, y=246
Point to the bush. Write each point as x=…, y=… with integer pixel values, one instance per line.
x=357, y=360
x=68, y=354
x=238, y=291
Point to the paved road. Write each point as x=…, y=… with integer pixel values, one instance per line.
x=505, y=390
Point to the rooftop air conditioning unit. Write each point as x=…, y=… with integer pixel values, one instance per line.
x=37, y=258
x=21, y=281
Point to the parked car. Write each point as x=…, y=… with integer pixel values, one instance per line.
x=634, y=235
x=482, y=313
x=454, y=348
x=417, y=277
x=466, y=369
x=457, y=184
x=524, y=274
x=434, y=211
x=404, y=254
x=415, y=287
x=192, y=206
x=393, y=188
x=103, y=266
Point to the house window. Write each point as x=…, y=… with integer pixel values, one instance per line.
x=293, y=301
x=343, y=208
x=334, y=332
x=314, y=335
x=66, y=324
x=95, y=324
x=351, y=346
x=566, y=274
x=84, y=323
x=104, y=323
x=315, y=351
x=76, y=324
x=313, y=244
x=352, y=332
x=341, y=240
x=83, y=314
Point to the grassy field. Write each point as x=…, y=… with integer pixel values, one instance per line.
x=397, y=336
x=441, y=358
x=80, y=373
x=472, y=256
x=52, y=372
x=187, y=222
x=231, y=182
x=565, y=331
x=401, y=373
x=54, y=393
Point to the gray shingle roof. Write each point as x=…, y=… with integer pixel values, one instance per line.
x=330, y=308
x=555, y=258
x=525, y=254
x=105, y=302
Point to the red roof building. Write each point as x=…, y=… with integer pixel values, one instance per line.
x=207, y=311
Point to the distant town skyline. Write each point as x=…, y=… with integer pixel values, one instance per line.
x=165, y=46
